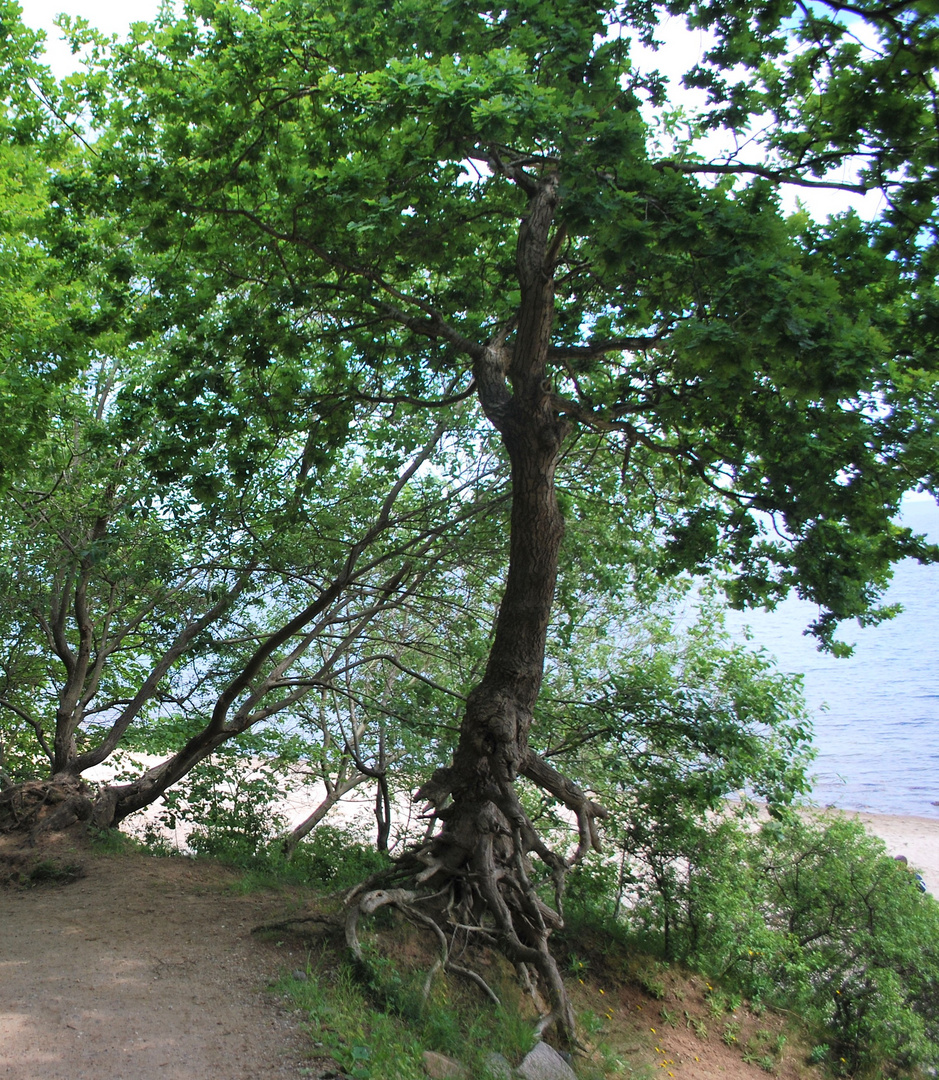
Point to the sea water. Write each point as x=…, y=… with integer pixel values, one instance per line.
x=876, y=714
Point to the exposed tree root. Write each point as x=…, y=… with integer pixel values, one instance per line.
x=472, y=885
x=42, y=827
x=38, y=807
x=406, y=902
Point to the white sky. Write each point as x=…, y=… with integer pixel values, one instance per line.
x=110, y=16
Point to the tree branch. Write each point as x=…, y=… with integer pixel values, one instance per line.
x=33, y=723
x=779, y=176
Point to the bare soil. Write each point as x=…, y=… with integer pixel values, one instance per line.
x=145, y=968
x=676, y=1027
x=141, y=969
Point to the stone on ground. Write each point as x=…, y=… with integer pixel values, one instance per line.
x=499, y=1068
x=440, y=1067
x=545, y=1063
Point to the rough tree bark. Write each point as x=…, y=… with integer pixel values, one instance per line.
x=480, y=858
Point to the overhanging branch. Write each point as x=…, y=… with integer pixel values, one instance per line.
x=779, y=176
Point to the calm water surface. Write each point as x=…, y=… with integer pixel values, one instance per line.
x=876, y=714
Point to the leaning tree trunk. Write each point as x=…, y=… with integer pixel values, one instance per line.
x=481, y=857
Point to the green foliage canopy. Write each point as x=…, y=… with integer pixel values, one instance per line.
x=349, y=181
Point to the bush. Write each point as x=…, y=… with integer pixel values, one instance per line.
x=813, y=917
x=337, y=857
x=860, y=943
x=228, y=802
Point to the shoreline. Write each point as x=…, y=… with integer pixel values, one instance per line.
x=903, y=834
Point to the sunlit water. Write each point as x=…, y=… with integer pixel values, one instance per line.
x=876, y=714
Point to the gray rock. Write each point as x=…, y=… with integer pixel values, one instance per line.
x=545, y=1063
x=497, y=1067
x=440, y=1067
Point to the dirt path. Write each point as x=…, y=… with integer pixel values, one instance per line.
x=145, y=969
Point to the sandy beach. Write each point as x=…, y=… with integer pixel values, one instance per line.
x=915, y=837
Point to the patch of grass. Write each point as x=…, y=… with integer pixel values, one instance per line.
x=115, y=842
x=765, y=1049
x=362, y=1041
x=374, y=1024
x=730, y=1033
x=720, y=1003
x=819, y=1053
x=648, y=974
x=51, y=872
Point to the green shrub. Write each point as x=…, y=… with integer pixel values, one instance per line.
x=337, y=857
x=859, y=943
x=812, y=917
x=228, y=801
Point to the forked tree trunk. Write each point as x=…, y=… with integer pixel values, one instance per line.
x=483, y=849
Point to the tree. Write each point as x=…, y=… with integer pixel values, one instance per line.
x=136, y=615
x=420, y=200
x=54, y=311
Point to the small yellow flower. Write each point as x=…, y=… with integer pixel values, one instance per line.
x=602, y=991
x=652, y=1030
